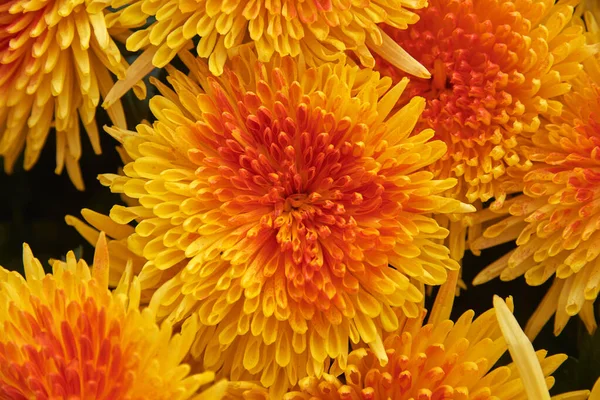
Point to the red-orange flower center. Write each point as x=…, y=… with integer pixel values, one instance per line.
x=495, y=69
x=471, y=51
x=308, y=189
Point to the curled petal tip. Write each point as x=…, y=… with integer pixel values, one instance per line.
x=467, y=208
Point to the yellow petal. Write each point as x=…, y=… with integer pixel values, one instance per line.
x=522, y=352
x=397, y=56
x=141, y=67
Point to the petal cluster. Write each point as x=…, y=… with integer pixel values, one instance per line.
x=556, y=222
x=271, y=202
x=310, y=171
x=497, y=66
x=65, y=335
x=441, y=360
x=318, y=30
x=56, y=60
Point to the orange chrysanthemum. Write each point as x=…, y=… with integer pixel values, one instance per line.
x=556, y=221
x=56, y=60
x=496, y=66
x=66, y=336
x=316, y=30
x=270, y=205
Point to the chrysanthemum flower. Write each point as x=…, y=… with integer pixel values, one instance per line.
x=56, y=60
x=271, y=203
x=556, y=220
x=444, y=360
x=66, y=336
x=496, y=67
x=317, y=30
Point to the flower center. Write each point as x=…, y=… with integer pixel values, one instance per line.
x=309, y=187
x=472, y=55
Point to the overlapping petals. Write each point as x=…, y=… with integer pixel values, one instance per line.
x=271, y=204
x=316, y=30
x=496, y=66
x=66, y=336
x=56, y=60
x=443, y=360
x=556, y=220
x=313, y=168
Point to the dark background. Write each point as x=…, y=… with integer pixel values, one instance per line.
x=33, y=205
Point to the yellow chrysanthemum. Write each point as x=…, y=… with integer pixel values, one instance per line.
x=556, y=220
x=66, y=336
x=443, y=360
x=271, y=202
x=56, y=60
x=317, y=30
x=497, y=66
